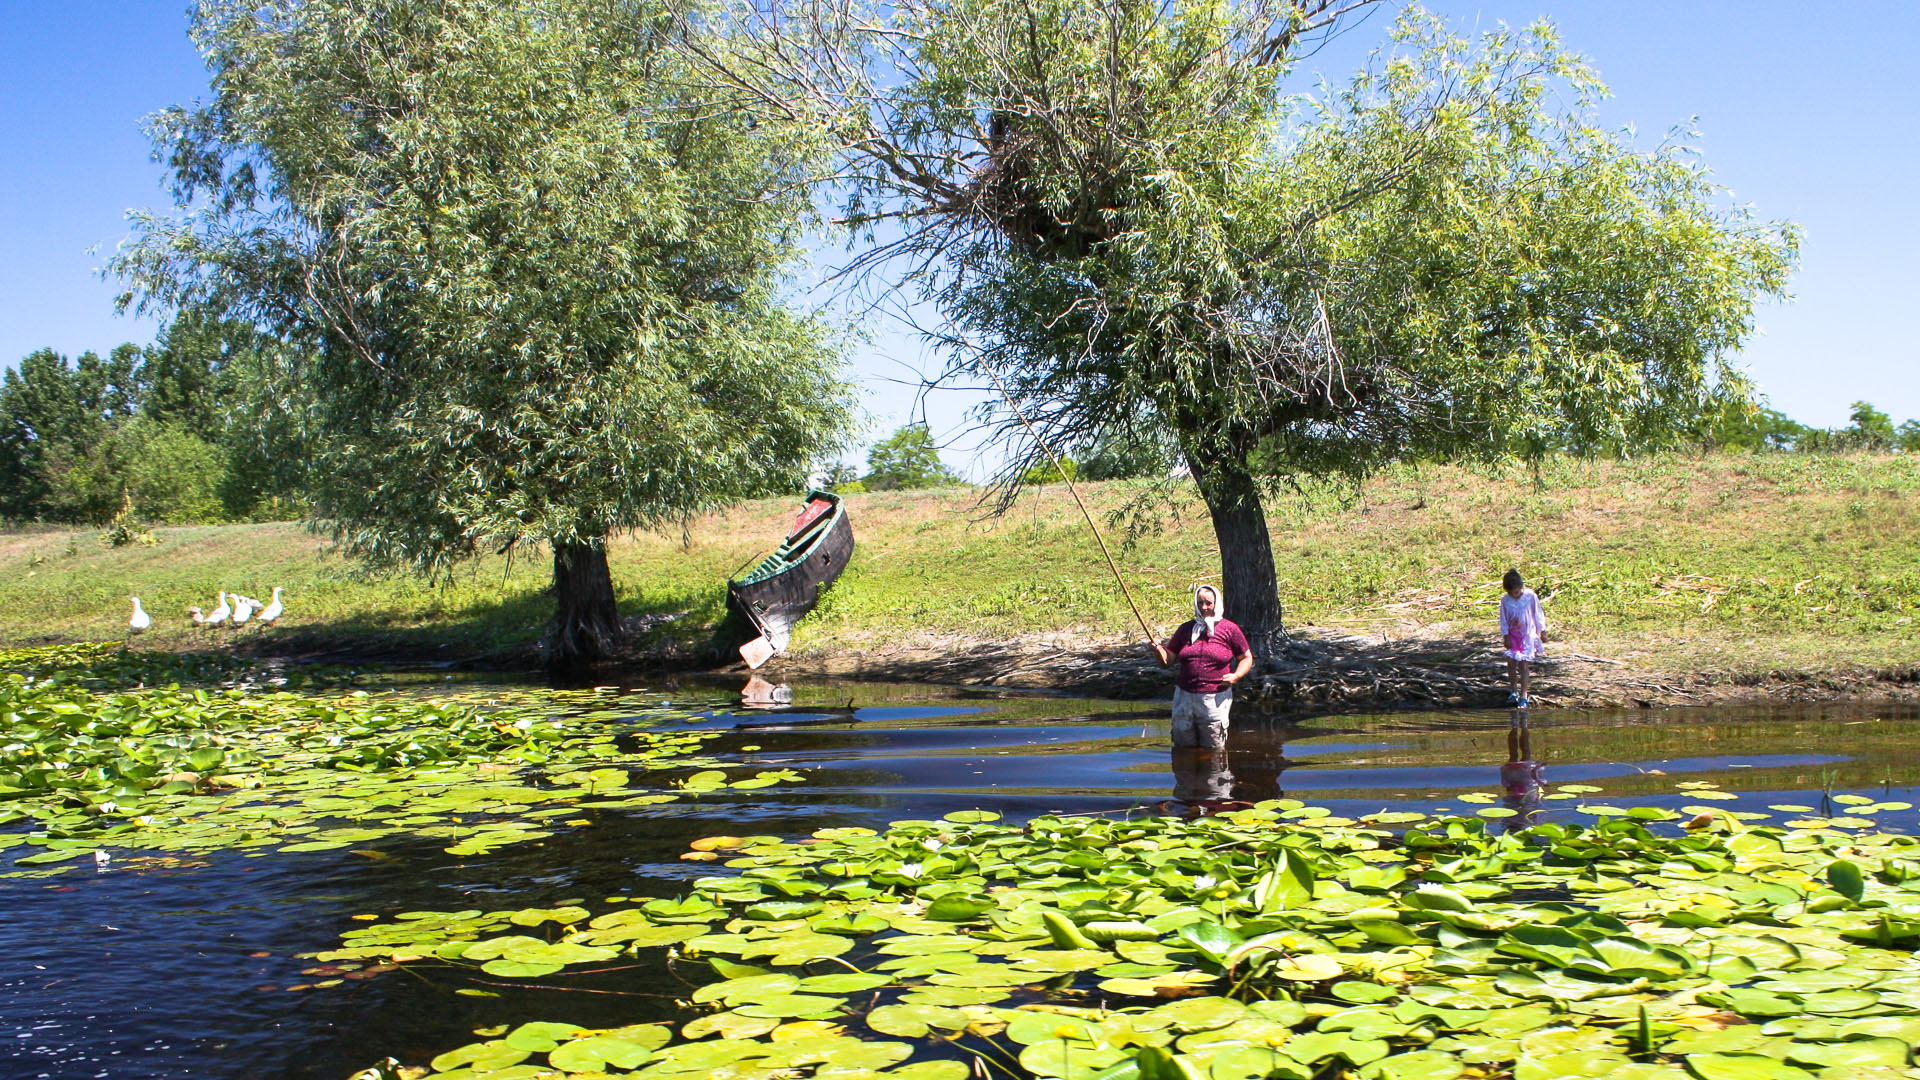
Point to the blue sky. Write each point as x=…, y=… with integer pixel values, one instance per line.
x=1806, y=110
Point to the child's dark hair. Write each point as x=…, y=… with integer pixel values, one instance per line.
x=1511, y=581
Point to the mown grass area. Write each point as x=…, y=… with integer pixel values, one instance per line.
x=1719, y=563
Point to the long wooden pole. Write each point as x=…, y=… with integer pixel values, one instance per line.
x=1071, y=490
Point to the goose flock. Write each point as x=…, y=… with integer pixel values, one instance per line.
x=234, y=609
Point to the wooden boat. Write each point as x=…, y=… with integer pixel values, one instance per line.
x=785, y=586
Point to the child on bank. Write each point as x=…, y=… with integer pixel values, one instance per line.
x=1522, y=629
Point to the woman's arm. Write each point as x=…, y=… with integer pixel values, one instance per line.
x=1240, y=669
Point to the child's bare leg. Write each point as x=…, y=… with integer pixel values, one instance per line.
x=1513, y=675
x=1526, y=678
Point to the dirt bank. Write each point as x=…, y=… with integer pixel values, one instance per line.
x=1326, y=670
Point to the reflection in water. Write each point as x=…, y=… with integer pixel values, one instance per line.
x=761, y=694
x=1245, y=772
x=1521, y=776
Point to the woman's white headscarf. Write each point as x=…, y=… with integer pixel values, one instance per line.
x=1202, y=624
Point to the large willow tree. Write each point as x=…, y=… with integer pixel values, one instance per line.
x=1128, y=218
x=540, y=277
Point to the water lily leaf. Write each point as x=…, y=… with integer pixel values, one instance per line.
x=1830, y=1002
x=1363, y=993
x=1059, y=961
x=1742, y=1067
x=930, y=1070
x=1067, y=1059
x=914, y=1021
x=1753, y=1003
x=1558, y=985
x=1149, y=986
x=1201, y=1013
x=1846, y=879
x=596, y=1052
x=813, y=1006
x=519, y=969
x=541, y=1036
x=952, y=996
x=1308, y=967
x=777, y=910
x=1210, y=939
x=1574, y=1065
x=1256, y=1063
x=849, y=923
x=1416, y=1065
x=1856, y=1053
x=957, y=909
x=970, y=817
x=729, y=1025
x=1288, y=885
x=536, y=916
x=842, y=982
x=482, y=1056
x=1316, y=1046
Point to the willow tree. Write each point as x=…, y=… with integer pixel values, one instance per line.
x=540, y=279
x=1129, y=218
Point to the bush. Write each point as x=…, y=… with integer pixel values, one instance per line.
x=173, y=476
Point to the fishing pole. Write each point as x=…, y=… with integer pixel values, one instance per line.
x=1077, y=501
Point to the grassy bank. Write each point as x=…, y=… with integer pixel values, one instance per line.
x=1735, y=563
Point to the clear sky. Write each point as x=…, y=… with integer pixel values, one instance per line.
x=1807, y=113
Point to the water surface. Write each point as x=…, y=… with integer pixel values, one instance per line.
x=179, y=968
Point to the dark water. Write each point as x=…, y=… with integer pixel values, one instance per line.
x=181, y=971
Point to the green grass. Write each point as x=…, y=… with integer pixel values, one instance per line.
x=1722, y=563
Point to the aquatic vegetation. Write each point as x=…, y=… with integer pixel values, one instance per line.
x=1276, y=942
x=170, y=769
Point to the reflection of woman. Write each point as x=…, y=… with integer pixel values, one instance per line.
x=1200, y=774
x=1521, y=776
x=1213, y=655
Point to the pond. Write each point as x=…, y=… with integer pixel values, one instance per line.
x=189, y=963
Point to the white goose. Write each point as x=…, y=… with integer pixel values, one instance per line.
x=220, y=614
x=141, y=620
x=272, y=611
x=242, y=609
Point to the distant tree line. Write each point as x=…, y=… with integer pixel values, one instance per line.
x=175, y=433
x=909, y=458
x=1758, y=427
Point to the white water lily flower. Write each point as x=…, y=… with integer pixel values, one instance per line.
x=932, y=844
x=1205, y=881
x=912, y=870
x=108, y=807
x=523, y=725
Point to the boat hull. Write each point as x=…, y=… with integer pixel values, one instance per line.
x=773, y=602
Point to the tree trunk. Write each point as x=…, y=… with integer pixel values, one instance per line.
x=586, y=623
x=1247, y=574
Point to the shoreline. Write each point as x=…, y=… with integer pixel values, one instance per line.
x=1323, y=671
x=1320, y=670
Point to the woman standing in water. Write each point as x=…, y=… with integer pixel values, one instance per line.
x=1213, y=655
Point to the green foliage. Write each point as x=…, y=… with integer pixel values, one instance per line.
x=1045, y=472
x=1740, y=425
x=1871, y=429
x=543, y=288
x=906, y=459
x=1128, y=451
x=190, y=429
x=94, y=766
x=1445, y=259
x=57, y=460
x=1293, y=943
